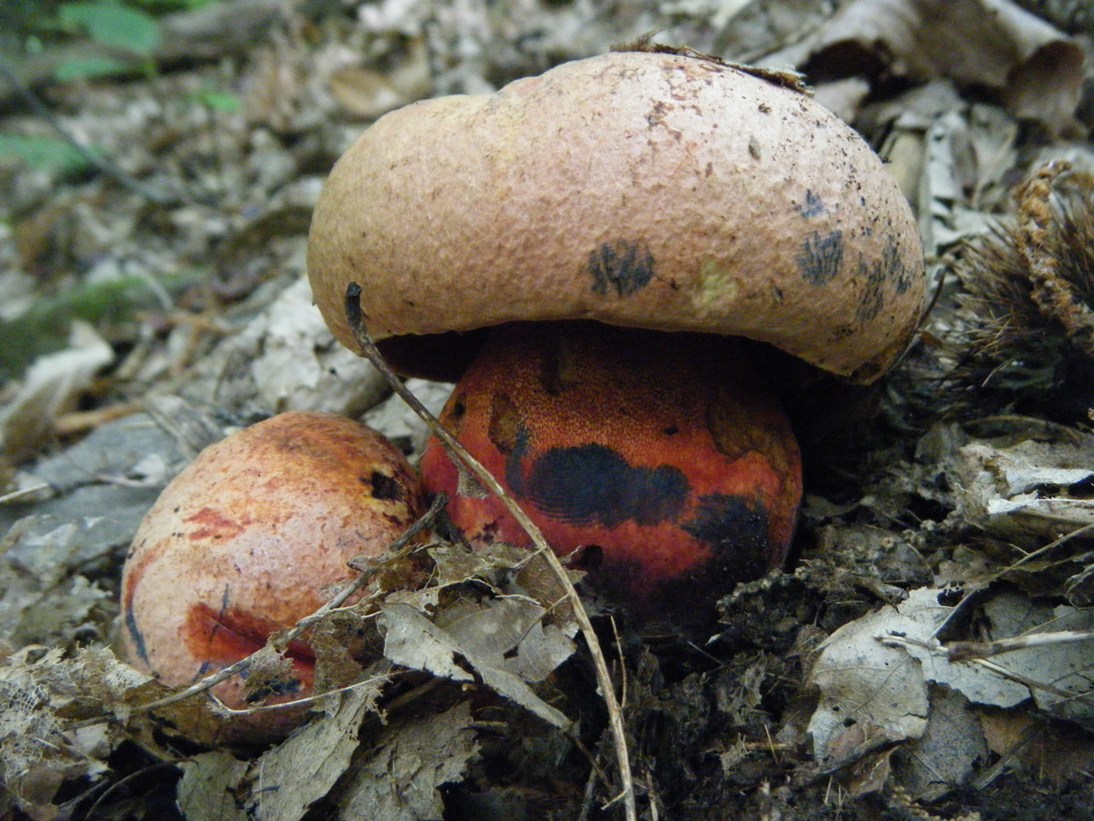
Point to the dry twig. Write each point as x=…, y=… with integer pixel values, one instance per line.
x=964, y=650
x=355, y=318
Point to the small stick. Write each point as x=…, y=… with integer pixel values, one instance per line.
x=963, y=650
x=356, y=320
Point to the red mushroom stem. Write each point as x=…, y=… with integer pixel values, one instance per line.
x=663, y=456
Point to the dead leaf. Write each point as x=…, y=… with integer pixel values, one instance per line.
x=41, y=599
x=367, y=93
x=52, y=386
x=1036, y=70
x=271, y=673
x=286, y=359
x=1060, y=676
x=948, y=752
x=43, y=693
x=1052, y=750
x=414, y=641
x=209, y=786
x=1016, y=488
x=865, y=682
x=510, y=633
x=405, y=766
x=293, y=776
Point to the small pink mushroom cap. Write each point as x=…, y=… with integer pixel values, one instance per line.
x=251, y=537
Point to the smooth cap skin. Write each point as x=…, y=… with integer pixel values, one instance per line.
x=637, y=189
x=251, y=537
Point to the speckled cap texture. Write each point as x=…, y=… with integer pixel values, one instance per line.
x=637, y=189
x=254, y=535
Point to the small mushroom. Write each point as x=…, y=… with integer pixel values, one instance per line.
x=252, y=536
x=663, y=192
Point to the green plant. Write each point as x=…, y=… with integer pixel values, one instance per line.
x=215, y=100
x=44, y=153
x=108, y=305
x=113, y=25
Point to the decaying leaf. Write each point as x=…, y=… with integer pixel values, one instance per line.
x=338, y=644
x=1052, y=750
x=52, y=385
x=947, y=753
x=994, y=44
x=874, y=676
x=400, y=773
x=210, y=785
x=1059, y=677
x=864, y=682
x=270, y=673
x=42, y=693
x=40, y=598
x=511, y=635
x=367, y=93
x=285, y=359
x=1017, y=489
x=414, y=641
x=302, y=770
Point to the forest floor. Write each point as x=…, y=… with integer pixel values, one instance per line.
x=153, y=299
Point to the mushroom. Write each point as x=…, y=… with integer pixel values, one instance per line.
x=682, y=200
x=252, y=536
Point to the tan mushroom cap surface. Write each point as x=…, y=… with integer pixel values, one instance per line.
x=637, y=189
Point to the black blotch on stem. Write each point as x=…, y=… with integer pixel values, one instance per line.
x=736, y=533
x=514, y=461
x=820, y=257
x=623, y=266
x=593, y=485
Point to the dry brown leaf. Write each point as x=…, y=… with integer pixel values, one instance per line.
x=293, y=776
x=52, y=386
x=1049, y=750
x=402, y=770
x=1035, y=69
x=210, y=785
x=414, y=641
x=947, y=753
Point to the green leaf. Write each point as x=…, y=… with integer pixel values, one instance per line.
x=87, y=68
x=160, y=7
x=108, y=305
x=115, y=25
x=219, y=101
x=43, y=153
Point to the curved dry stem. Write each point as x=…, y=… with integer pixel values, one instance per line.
x=356, y=321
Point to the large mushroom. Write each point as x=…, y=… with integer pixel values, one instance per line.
x=681, y=200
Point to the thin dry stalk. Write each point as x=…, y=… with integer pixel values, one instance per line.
x=964, y=650
x=355, y=318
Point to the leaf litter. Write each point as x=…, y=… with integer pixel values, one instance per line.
x=927, y=650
